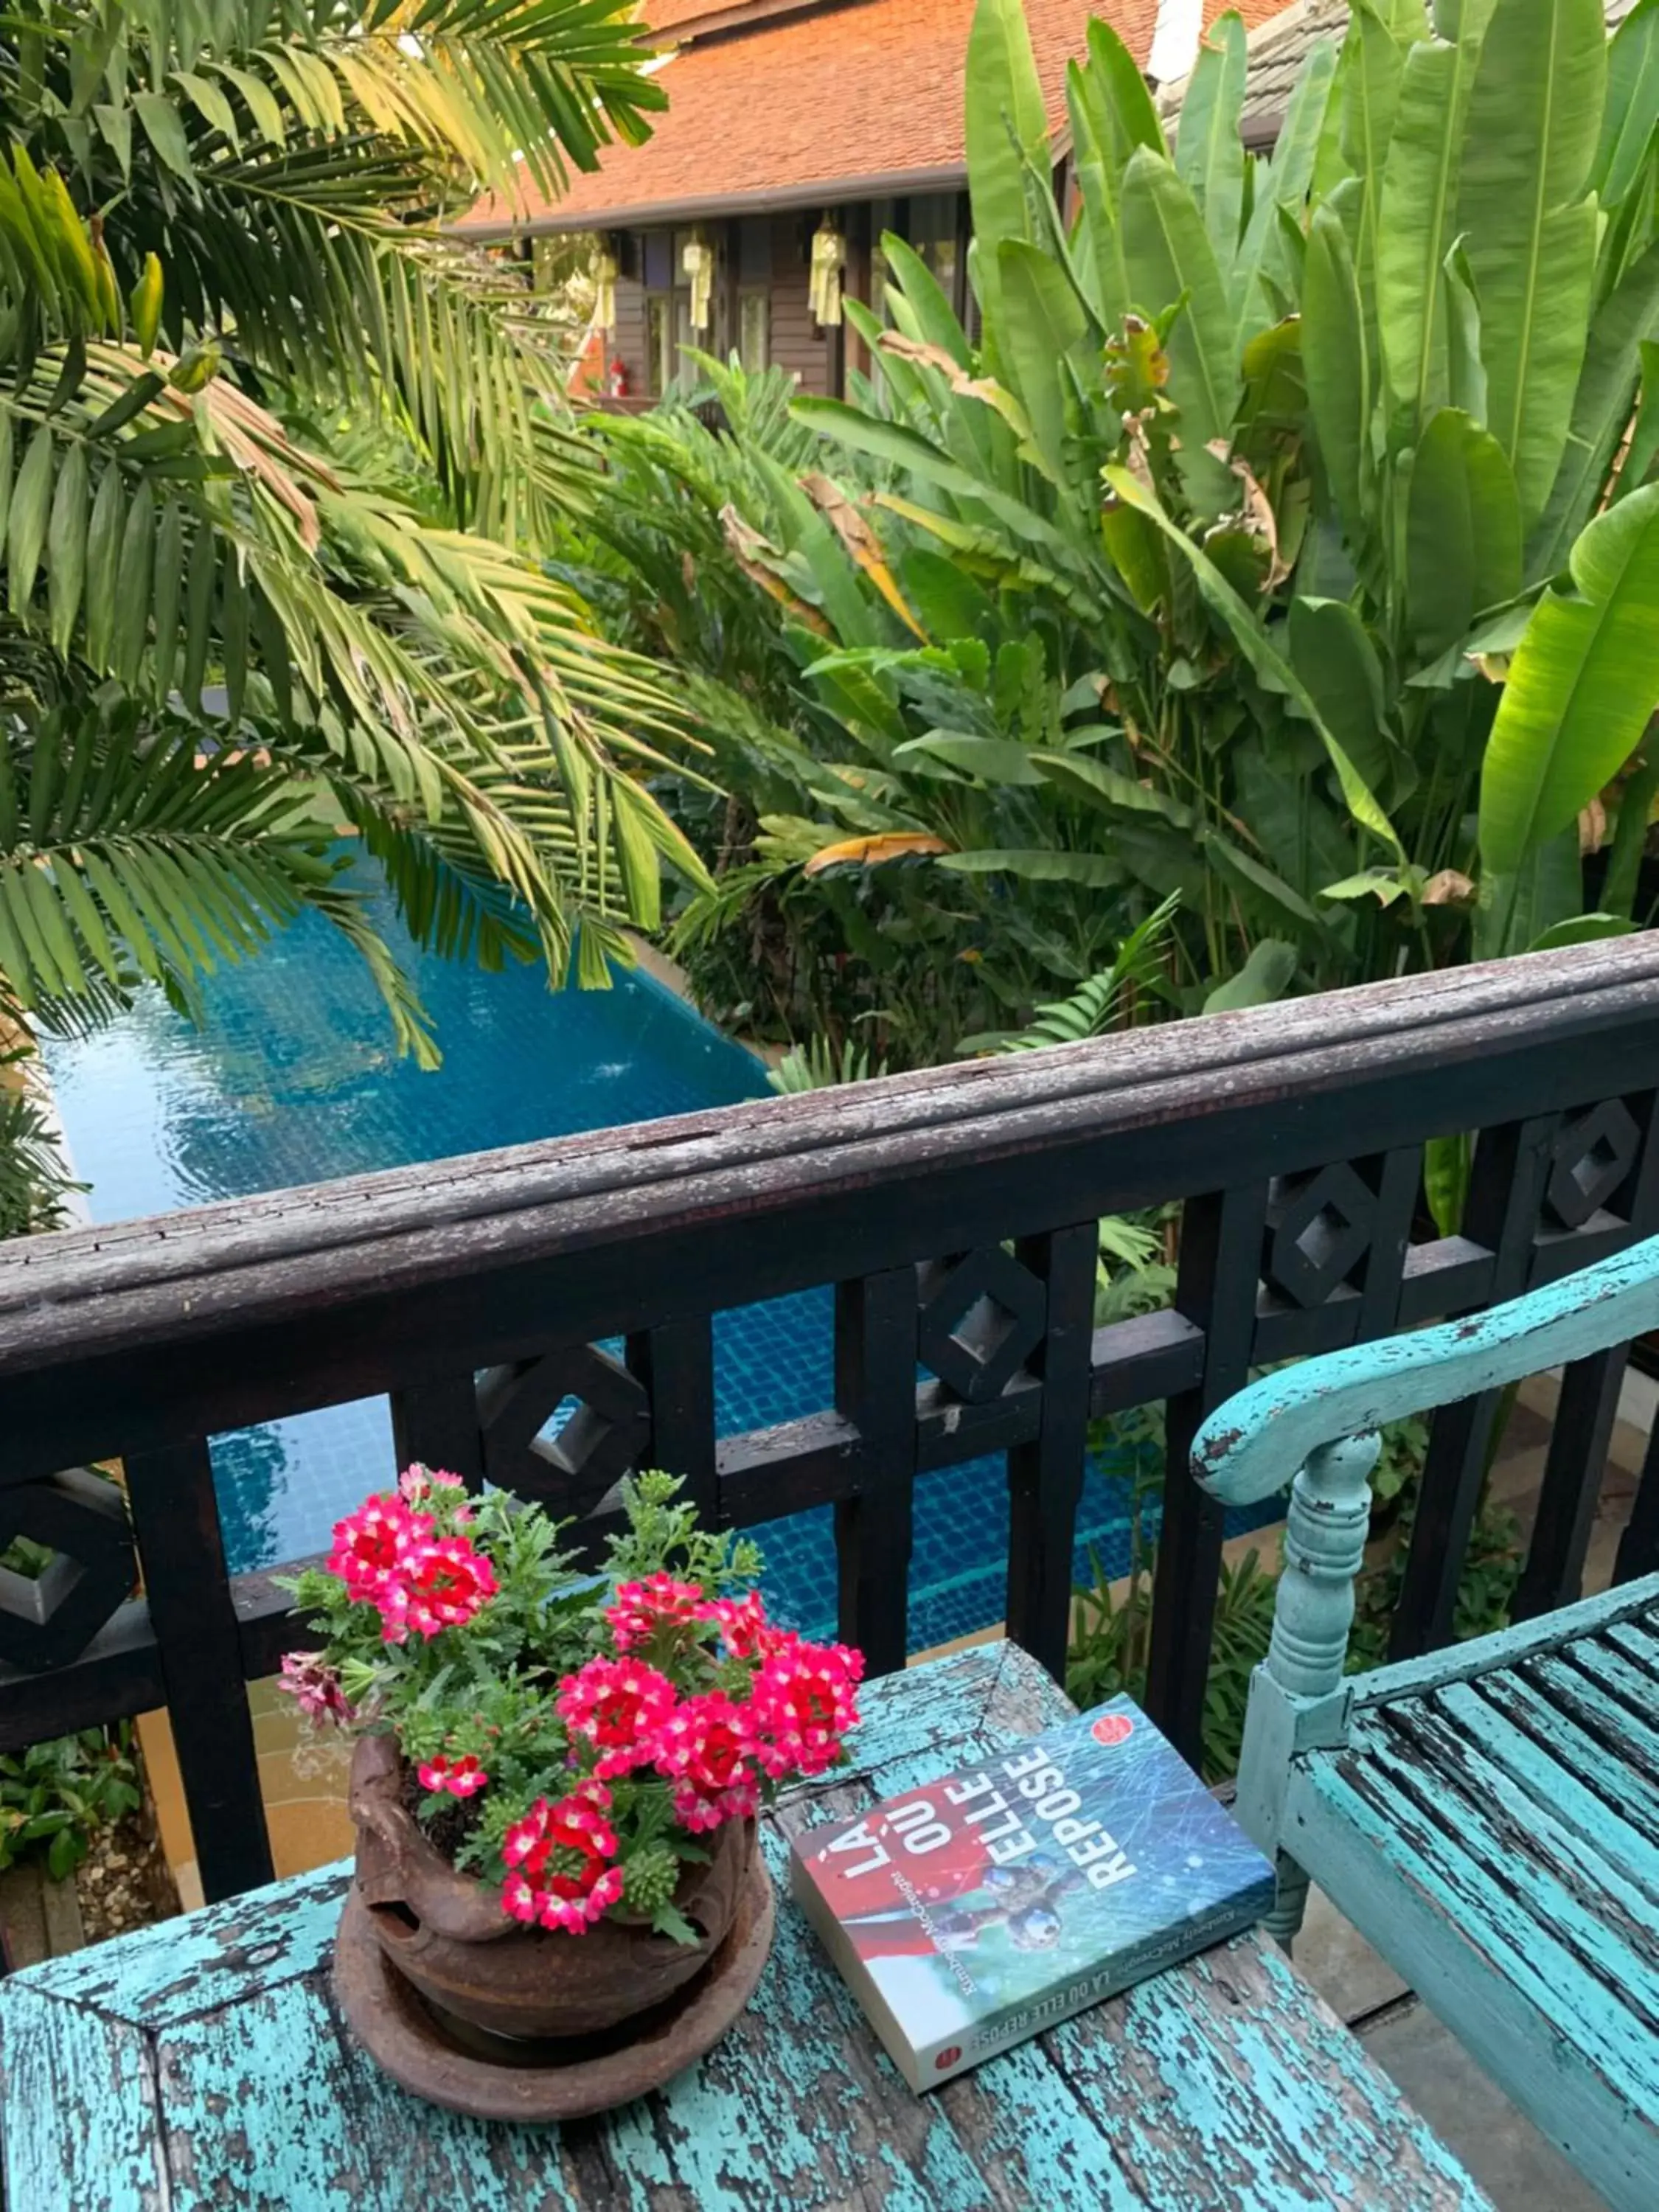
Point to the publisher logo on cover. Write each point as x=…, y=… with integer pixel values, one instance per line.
x=1113, y=1728
x=948, y=2057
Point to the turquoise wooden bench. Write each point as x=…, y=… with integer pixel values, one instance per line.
x=1487, y=1817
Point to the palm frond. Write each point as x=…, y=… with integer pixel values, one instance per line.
x=482, y=89
x=121, y=847
x=293, y=189
x=446, y=675
x=411, y=1024
x=224, y=646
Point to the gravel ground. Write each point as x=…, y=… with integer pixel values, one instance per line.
x=124, y=1881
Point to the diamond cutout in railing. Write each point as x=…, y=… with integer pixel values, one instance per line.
x=980, y=1318
x=48, y=1620
x=1320, y=1227
x=1592, y=1157
x=572, y=1470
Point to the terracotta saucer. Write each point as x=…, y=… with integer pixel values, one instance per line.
x=496, y=2077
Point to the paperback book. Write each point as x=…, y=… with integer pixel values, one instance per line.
x=968, y=1914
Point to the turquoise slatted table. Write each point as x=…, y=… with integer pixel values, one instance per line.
x=1487, y=1816
x=203, y=2064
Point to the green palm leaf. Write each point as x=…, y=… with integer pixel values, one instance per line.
x=164, y=535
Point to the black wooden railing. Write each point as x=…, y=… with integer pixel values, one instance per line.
x=474, y=1291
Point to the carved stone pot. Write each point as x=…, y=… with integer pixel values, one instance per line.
x=446, y=1932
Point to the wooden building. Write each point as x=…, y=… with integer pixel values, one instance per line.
x=794, y=124
x=1279, y=45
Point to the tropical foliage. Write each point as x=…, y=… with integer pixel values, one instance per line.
x=56, y=1797
x=1280, y=540
x=272, y=442
x=36, y=1187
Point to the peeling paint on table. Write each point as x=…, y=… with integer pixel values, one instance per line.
x=203, y=2064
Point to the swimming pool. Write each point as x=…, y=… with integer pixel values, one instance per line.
x=292, y=1078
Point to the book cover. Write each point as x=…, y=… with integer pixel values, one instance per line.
x=968, y=1914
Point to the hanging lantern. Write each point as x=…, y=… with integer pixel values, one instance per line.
x=697, y=262
x=828, y=260
x=604, y=291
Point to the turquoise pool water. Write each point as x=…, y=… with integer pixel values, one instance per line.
x=292, y=1078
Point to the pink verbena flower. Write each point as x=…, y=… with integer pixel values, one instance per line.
x=442, y=1585
x=459, y=1777
x=705, y=1748
x=745, y=1631
x=374, y=1545
x=639, y=1609
x=551, y=1908
x=698, y=1811
x=803, y=1702
x=575, y=1822
x=417, y=1484
x=315, y=1688
x=617, y=1706
x=561, y=1855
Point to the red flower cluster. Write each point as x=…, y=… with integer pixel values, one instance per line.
x=706, y=1748
x=640, y=1609
x=387, y=1557
x=804, y=1700
x=745, y=1631
x=374, y=1545
x=617, y=1706
x=713, y=1749
x=563, y=1860
x=457, y=1777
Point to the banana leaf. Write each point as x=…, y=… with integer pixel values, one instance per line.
x=1209, y=154
x=1632, y=105
x=1462, y=531
x=1269, y=666
x=1581, y=687
x=1625, y=323
x=1006, y=125
x=1172, y=264
x=1525, y=208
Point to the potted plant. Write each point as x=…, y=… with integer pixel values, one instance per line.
x=556, y=1774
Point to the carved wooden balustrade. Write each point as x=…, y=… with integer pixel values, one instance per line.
x=954, y=1211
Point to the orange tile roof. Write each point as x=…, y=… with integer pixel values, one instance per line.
x=866, y=93
x=669, y=15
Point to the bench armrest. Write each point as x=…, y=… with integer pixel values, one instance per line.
x=1252, y=1446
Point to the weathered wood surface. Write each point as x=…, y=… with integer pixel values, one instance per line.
x=329, y=1259
x=1492, y=1826
x=202, y=2064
